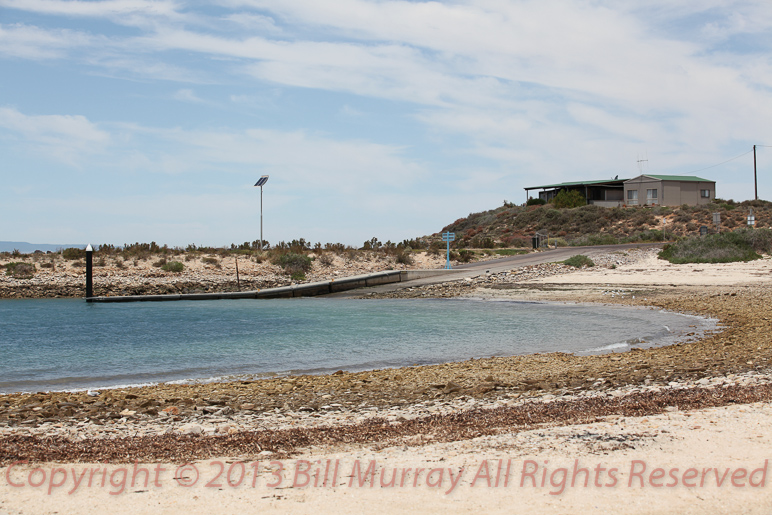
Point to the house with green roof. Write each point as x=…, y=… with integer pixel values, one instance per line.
x=668, y=190
x=644, y=190
x=608, y=193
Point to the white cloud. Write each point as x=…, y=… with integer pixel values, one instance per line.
x=66, y=137
x=187, y=95
x=30, y=42
x=127, y=12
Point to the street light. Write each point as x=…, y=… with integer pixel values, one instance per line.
x=263, y=179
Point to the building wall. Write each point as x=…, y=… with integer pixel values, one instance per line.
x=669, y=193
x=641, y=184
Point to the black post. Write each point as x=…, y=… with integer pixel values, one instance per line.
x=238, y=282
x=755, y=184
x=89, y=273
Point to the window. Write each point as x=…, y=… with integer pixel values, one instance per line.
x=705, y=193
x=651, y=196
x=632, y=196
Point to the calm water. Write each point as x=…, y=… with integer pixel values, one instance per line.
x=55, y=344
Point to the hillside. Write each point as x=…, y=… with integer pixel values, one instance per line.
x=513, y=226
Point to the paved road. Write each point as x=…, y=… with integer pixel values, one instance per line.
x=497, y=265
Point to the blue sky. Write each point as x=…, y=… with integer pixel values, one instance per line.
x=138, y=120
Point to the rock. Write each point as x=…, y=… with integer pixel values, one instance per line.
x=191, y=429
x=451, y=387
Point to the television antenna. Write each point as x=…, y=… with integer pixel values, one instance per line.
x=642, y=162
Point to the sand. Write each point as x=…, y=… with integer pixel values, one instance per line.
x=696, y=449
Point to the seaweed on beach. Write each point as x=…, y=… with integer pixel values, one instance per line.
x=463, y=425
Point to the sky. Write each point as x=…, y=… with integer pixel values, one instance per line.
x=127, y=121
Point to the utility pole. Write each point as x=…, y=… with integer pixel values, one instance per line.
x=755, y=184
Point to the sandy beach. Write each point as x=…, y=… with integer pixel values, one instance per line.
x=677, y=429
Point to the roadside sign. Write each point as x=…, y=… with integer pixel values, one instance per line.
x=447, y=237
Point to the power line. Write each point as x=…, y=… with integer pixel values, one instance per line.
x=719, y=164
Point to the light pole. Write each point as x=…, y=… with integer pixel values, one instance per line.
x=263, y=179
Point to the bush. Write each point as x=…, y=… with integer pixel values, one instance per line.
x=73, y=253
x=298, y=276
x=211, y=261
x=20, y=270
x=326, y=259
x=594, y=239
x=293, y=263
x=650, y=235
x=535, y=202
x=579, y=261
x=404, y=258
x=173, y=266
x=726, y=247
x=465, y=256
x=569, y=199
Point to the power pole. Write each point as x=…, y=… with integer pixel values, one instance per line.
x=755, y=184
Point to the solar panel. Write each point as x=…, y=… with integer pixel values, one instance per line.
x=262, y=180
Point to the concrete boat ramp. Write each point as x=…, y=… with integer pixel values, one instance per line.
x=298, y=290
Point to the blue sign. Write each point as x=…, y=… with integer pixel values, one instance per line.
x=448, y=237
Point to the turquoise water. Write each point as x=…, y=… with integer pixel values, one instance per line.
x=56, y=344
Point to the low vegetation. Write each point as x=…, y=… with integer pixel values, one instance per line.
x=512, y=226
x=295, y=265
x=579, y=261
x=173, y=266
x=725, y=247
x=19, y=270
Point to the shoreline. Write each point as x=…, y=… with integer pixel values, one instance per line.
x=706, y=403
x=681, y=333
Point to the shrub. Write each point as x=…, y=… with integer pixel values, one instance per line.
x=404, y=258
x=20, y=270
x=173, y=266
x=298, y=276
x=535, y=202
x=73, y=253
x=160, y=263
x=326, y=259
x=211, y=261
x=569, y=199
x=726, y=247
x=650, y=235
x=293, y=263
x=594, y=239
x=579, y=261
x=465, y=256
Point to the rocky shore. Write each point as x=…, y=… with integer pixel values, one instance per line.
x=725, y=366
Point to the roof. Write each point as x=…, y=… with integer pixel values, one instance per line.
x=681, y=178
x=580, y=183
